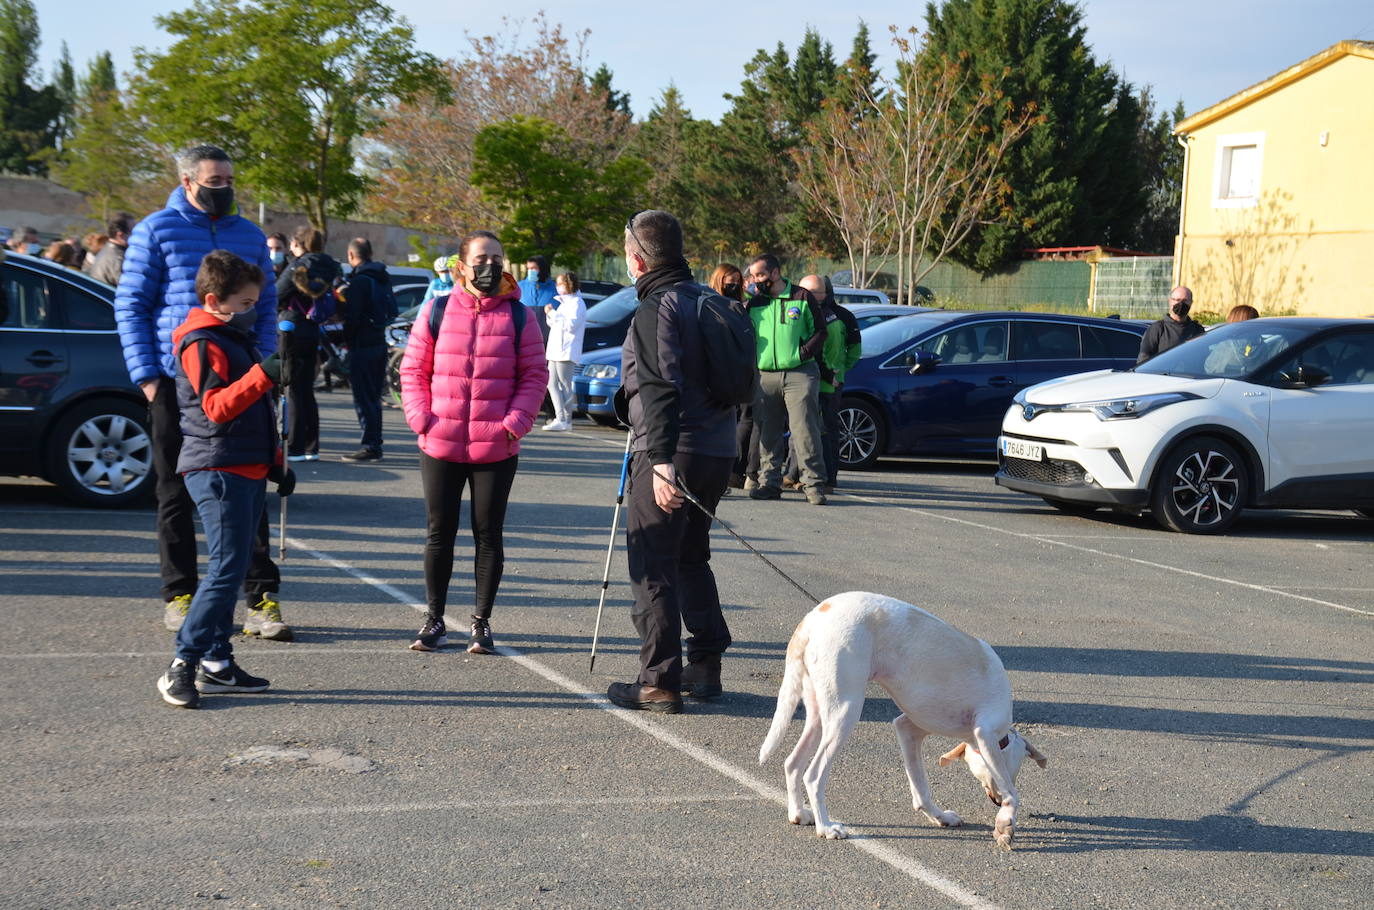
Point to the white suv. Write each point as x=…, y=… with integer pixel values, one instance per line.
x=1269, y=413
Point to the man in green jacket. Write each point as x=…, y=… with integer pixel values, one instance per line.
x=842, y=350
x=790, y=333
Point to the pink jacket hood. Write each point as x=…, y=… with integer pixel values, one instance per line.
x=473, y=392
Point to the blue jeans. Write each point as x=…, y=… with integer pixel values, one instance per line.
x=230, y=507
x=366, y=374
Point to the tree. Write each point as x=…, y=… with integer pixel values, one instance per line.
x=1065, y=179
x=64, y=82
x=1162, y=165
x=600, y=84
x=665, y=142
x=29, y=116
x=287, y=87
x=551, y=199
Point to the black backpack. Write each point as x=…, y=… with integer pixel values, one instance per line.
x=727, y=338
x=384, y=305
x=518, y=313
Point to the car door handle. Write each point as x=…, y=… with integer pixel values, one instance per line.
x=43, y=358
x=1000, y=381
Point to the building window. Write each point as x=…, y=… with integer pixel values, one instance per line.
x=1238, y=167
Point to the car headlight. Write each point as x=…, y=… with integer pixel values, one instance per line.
x=1129, y=408
x=601, y=371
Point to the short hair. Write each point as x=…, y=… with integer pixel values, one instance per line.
x=311, y=240
x=1241, y=312
x=222, y=273
x=60, y=252
x=770, y=262
x=724, y=271
x=571, y=280
x=657, y=235
x=123, y=223
x=361, y=247
x=94, y=240
x=466, y=241
x=188, y=160
x=278, y=236
x=541, y=265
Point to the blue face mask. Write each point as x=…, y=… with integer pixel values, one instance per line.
x=278, y=257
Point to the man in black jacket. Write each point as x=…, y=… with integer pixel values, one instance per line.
x=363, y=307
x=1173, y=329
x=678, y=434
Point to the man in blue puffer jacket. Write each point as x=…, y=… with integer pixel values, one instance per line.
x=156, y=291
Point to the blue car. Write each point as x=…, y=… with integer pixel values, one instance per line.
x=938, y=383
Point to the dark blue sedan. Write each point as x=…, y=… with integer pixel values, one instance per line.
x=938, y=383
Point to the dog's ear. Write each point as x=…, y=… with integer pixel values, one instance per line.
x=1035, y=754
x=954, y=754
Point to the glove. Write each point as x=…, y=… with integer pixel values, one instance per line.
x=284, y=478
x=272, y=367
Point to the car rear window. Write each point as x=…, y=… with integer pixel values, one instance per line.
x=1100, y=342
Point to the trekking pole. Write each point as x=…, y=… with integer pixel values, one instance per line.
x=610, y=545
x=286, y=327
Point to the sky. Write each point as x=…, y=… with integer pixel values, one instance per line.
x=1199, y=52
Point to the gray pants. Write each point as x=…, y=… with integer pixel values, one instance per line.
x=790, y=398
x=561, y=389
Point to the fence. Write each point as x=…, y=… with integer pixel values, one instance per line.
x=1135, y=287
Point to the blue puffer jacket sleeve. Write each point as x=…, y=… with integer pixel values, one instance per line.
x=138, y=299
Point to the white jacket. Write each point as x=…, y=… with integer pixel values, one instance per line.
x=567, y=324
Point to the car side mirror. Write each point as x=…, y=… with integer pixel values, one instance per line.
x=921, y=362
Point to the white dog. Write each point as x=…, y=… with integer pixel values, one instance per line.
x=945, y=682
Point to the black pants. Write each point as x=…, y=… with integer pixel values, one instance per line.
x=747, y=443
x=303, y=413
x=443, y=483
x=830, y=435
x=366, y=376
x=670, y=568
x=176, y=532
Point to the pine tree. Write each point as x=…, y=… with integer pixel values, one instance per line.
x=28, y=115
x=616, y=102
x=64, y=81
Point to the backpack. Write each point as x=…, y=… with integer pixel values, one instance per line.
x=727, y=339
x=384, y=305
x=518, y=314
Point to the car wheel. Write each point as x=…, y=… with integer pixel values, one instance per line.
x=393, y=373
x=1072, y=508
x=1200, y=488
x=862, y=436
x=101, y=453
x=604, y=420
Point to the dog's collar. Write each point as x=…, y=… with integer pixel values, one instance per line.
x=1006, y=741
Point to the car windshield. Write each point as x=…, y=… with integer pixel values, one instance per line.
x=883, y=337
x=614, y=308
x=1227, y=352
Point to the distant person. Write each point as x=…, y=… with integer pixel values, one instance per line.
x=156, y=291
x=305, y=299
x=567, y=321
x=471, y=391
x=1173, y=329
x=229, y=451
x=109, y=262
x=1235, y=356
x=25, y=240
x=728, y=281
x=92, y=244
x=1242, y=312
x=537, y=290
x=442, y=282
x=62, y=253
x=277, y=249
x=367, y=307
x=842, y=350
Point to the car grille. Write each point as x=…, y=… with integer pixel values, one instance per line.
x=1053, y=472
x=577, y=370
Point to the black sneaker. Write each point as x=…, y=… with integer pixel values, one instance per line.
x=762, y=492
x=363, y=454
x=639, y=697
x=231, y=679
x=433, y=635
x=178, y=685
x=479, y=642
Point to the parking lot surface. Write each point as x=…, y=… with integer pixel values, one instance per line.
x=1205, y=705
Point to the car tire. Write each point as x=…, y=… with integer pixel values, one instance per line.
x=393, y=373
x=1201, y=487
x=101, y=454
x=1072, y=508
x=863, y=437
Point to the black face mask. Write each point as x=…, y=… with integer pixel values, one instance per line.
x=245, y=321
x=1181, y=309
x=486, y=278
x=217, y=201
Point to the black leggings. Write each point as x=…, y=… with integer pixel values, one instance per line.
x=443, y=484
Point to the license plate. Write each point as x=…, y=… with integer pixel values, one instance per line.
x=1015, y=448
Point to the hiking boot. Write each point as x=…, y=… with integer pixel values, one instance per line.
x=816, y=495
x=264, y=620
x=789, y=483
x=479, y=642
x=701, y=679
x=762, y=492
x=433, y=635
x=639, y=697
x=232, y=678
x=175, y=614
x=363, y=454
x=736, y=481
x=178, y=685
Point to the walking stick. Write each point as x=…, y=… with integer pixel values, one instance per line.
x=286, y=327
x=610, y=545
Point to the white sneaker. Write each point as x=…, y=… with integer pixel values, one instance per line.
x=560, y=427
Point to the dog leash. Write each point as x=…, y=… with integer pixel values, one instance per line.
x=748, y=546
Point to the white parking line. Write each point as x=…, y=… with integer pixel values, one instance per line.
x=1220, y=579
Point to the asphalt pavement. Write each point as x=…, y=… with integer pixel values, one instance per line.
x=1205, y=705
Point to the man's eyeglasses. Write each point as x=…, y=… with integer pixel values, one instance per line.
x=630, y=226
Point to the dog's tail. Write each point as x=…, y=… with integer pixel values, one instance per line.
x=790, y=692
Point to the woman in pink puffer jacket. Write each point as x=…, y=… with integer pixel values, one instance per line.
x=471, y=393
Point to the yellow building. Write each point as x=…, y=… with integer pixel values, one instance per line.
x=1278, y=192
